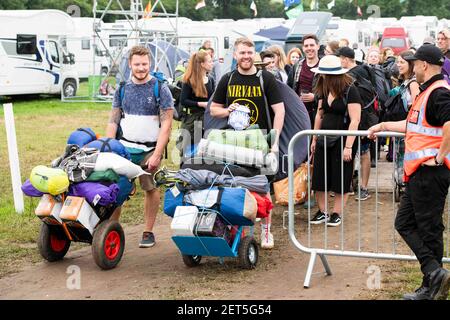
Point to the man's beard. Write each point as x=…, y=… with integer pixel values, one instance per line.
x=139, y=77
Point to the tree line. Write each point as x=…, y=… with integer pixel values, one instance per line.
x=240, y=9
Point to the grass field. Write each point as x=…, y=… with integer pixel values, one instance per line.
x=42, y=128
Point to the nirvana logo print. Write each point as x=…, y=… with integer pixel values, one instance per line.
x=251, y=106
x=243, y=95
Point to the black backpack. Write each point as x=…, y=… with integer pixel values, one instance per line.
x=369, y=109
x=395, y=109
x=380, y=80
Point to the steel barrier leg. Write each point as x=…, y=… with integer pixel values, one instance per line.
x=325, y=264
x=312, y=261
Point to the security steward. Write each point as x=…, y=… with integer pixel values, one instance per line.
x=426, y=172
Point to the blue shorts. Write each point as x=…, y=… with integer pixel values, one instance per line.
x=365, y=146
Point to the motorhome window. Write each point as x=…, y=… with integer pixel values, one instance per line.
x=117, y=40
x=85, y=44
x=26, y=44
x=53, y=51
x=10, y=48
x=226, y=42
x=360, y=36
x=393, y=43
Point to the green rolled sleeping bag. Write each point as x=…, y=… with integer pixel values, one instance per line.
x=251, y=139
x=49, y=180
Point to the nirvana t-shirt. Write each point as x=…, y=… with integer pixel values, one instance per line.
x=246, y=90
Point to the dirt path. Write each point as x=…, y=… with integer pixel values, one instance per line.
x=159, y=273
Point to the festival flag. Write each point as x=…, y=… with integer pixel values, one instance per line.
x=359, y=12
x=295, y=12
x=148, y=10
x=200, y=4
x=253, y=7
x=289, y=3
x=331, y=4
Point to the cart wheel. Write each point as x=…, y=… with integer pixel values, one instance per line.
x=52, y=243
x=397, y=193
x=108, y=244
x=248, y=253
x=191, y=261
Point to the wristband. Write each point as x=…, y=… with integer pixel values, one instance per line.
x=348, y=147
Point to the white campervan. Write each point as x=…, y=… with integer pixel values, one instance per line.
x=32, y=60
x=90, y=54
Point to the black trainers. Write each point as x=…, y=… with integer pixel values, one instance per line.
x=334, y=220
x=363, y=195
x=148, y=240
x=319, y=218
x=439, y=284
x=423, y=293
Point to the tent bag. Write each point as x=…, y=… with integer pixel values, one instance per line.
x=49, y=180
x=251, y=139
x=95, y=192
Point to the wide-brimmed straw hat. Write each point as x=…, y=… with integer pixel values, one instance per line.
x=258, y=61
x=330, y=65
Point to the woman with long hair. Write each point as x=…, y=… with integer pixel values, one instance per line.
x=407, y=78
x=339, y=108
x=196, y=90
x=294, y=55
x=280, y=61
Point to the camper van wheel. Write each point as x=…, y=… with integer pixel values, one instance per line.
x=52, y=243
x=248, y=253
x=191, y=261
x=69, y=88
x=108, y=244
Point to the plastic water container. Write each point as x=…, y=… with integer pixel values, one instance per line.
x=184, y=221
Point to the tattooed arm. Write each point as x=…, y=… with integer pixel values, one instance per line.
x=113, y=123
x=165, y=117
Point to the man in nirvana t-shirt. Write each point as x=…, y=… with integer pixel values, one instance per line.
x=244, y=88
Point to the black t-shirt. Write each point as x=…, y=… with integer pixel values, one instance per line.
x=333, y=117
x=438, y=107
x=246, y=90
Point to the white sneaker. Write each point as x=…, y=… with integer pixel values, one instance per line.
x=266, y=240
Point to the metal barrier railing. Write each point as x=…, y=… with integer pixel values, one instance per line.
x=357, y=252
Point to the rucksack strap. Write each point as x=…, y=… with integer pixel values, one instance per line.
x=147, y=144
x=89, y=133
x=266, y=103
x=105, y=144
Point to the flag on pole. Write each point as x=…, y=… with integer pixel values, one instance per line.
x=359, y=12
x=200, y=4
x=289, y=3
x=253, y=7
x=331, y=4
x=295, y=12
x=148, y=10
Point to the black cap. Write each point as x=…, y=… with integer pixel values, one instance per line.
x=346, y=52
x=428, y=53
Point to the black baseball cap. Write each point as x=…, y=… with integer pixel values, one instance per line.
x=428, y=53
x=346, y=52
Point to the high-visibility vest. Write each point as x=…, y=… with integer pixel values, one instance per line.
x=422, y=140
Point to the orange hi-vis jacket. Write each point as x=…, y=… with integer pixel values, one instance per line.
x=422, y=140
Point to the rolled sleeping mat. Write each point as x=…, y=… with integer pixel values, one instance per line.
x=238, y=155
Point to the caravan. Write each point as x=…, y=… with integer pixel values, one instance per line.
x=32, y=61
x=90, y=58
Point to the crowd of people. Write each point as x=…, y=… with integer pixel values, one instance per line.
x=335, y=83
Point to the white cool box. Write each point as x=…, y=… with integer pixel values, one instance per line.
x=184, y=221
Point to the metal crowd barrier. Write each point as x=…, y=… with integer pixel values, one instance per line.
x=358, y=252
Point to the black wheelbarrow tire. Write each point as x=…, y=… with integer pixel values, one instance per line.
x=191, y=261
x=108, y=244
x=248, y=253
x=53, y=243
